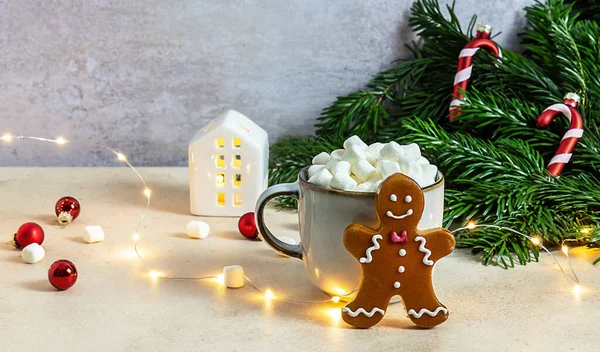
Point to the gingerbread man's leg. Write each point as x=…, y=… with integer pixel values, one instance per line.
x=423, y=307
x=368, y=308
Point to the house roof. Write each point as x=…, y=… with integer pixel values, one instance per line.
x=237, y=123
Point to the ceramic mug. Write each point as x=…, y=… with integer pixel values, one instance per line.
x=323, y=214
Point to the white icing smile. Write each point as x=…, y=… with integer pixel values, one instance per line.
x=399, y=217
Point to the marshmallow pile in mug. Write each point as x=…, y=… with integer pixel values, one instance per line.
x=361, y=168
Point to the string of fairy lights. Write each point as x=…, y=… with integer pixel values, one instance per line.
x=267, y=293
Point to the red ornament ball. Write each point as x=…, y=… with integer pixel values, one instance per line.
x=29, y=233
x=67, y=209
x=247, y=226
x=62, y=274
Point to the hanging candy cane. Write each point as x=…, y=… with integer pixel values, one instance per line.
x=569, y=140
x=482, y=40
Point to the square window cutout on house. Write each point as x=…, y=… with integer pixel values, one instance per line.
x=221, y=199
x=237, y=142
x=237, y=161
x=237, y=181
x=237, y=199
x=220, y=142
x=220, y=179
x=220, y=160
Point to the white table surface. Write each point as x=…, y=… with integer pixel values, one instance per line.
x=115, y=306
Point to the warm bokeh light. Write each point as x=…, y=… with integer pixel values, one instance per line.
x=220, y=179
x=221, y=279
x=335, y=315
x=154, y=274
x=577, y=289
x=60, y=140
x=7, y=138
x=585, y=231
x=335, y=299
x=565, y=249
x=147, y=192
x=535, y=241
x=269, y=294
x=136, y=237
x=470, y=225
x=121, y=157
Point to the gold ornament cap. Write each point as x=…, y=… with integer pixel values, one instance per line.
x=64, y=219
x=485, y=28
x=573, y=96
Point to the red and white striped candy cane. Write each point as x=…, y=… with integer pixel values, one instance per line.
x=569, y=140
x=482, y=40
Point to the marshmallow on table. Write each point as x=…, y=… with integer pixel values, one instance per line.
x=392, y=151
x=341, y=168
x=197, y=229
x=363, y=170
x=313, y=169
x=287, y=240
x=354, y=154
x=355, y=140
x=321, y=159
x=321, y=178
x=93, y=234
x=343, y=182
x=411, y=151
x=33, y=253
x=233, y=276
x=387, y=168
x=373, y=152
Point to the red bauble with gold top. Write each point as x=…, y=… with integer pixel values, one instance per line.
x=67, y=209
x=28, y=233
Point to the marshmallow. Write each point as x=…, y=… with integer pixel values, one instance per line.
x=410, y=168
x=321, y=159
x=386, y=168
x=343, y=182
x=354, y=154
x=363, y=170
x=341, y=168
x=197, y=229
x=93, y=234
x=355, y=140
x=429, y=174
x=33, y=253
x=412, y=151
x=364, y=187
x=376, y=185
x=373, y=152
x=392, y=151
x=337, y=154
x=314, y=169
x=321, y=178
x=233, y=276
x=423, y=161
x=287, y=240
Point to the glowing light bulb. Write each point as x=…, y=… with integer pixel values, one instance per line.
x=221, y=279
x=335, y=299
x=584, y=231
x=535, y=241
x=121, y=157
x=471, y=225
x=269, y=294
x=147, y=192
x=577, y=289
x=60, y=141
x=7, y=138
x=136, y=237
x=565, y=249
x=154, y=274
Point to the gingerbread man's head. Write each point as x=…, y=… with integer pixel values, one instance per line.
x=400, y=199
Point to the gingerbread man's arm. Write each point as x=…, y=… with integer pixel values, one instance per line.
x=357, y=238
x=440, y=241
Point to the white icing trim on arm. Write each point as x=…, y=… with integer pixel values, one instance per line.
x=374, y=247
x=422, y=248
x=427, y=311
x=399, y=217
x=363, y=311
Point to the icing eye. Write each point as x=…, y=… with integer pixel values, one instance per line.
x=408, y=199
x=393, y=197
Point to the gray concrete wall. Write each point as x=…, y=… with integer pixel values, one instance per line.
x=143, y=76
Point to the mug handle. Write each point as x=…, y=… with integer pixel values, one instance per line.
x=283, y=189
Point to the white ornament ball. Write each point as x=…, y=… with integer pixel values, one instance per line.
x=33, y=253
x=197, y=229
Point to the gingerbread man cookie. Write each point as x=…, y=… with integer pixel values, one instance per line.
x=397, y=258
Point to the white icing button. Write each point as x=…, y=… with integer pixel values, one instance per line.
x=396, y=284
x=401, y=269
x=408, y=199
x=402, y=252
x=393, y=197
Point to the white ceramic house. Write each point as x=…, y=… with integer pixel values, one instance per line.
x=228, y=161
